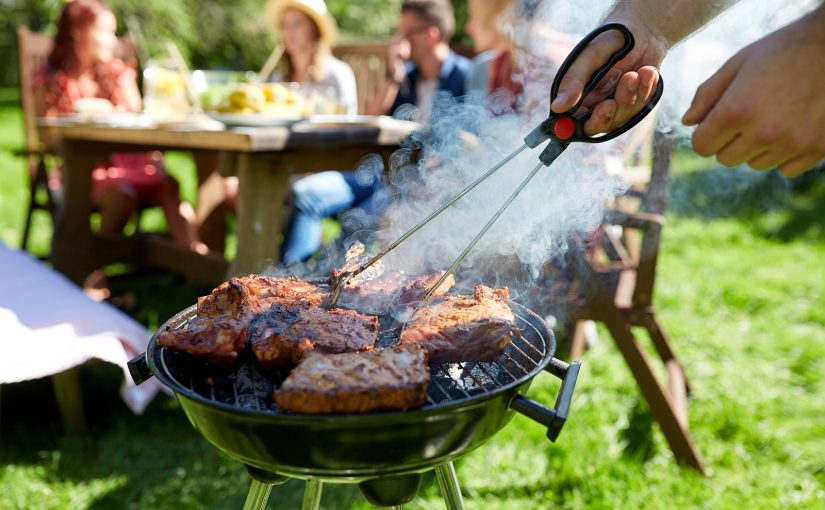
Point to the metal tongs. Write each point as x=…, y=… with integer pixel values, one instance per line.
x=561, y=129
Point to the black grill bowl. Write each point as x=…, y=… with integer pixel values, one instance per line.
x=365, y=446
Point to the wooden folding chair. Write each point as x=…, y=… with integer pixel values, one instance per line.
x=612, y=282
x=33, y=51
x=369, y=64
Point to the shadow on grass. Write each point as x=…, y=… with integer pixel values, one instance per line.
x=152, y=297
x=746, y=194
x=638, y=436
x=157, y=459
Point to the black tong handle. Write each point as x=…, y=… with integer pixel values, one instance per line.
x=567, y=127
x=629, y=43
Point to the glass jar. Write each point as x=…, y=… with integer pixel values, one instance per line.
x=164, y=91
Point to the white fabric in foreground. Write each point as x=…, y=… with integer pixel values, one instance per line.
x=48, y=325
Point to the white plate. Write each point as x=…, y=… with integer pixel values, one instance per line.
x=254, y=119
x=335, y=121
x=126, y=120
x=191, y=123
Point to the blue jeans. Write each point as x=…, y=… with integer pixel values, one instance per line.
x=324, y=195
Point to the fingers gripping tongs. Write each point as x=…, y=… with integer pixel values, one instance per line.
x=560, y=129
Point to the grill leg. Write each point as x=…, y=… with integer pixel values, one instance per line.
x=258, y=495
x=448, y=483
x=312, y=495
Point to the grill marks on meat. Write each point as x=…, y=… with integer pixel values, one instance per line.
x=218, y=332
x=387, y=379
x=463, y=328
x=281, y=336
x=390, y=290
x=247, y=295
x=217, y=340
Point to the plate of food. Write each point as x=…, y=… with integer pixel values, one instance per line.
x=260, y=104
x=254, y=119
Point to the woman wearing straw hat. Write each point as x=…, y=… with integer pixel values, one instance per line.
x=308, y=33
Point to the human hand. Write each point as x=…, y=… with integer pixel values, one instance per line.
x=633, y=80
x=398, y=54
x=765, y=106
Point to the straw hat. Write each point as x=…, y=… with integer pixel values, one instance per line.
x=315, y=9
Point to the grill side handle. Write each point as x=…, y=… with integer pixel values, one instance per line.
x=553, y=418
x=139, y=368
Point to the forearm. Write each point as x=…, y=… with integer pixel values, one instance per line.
x=670, y=20
x=383, y=99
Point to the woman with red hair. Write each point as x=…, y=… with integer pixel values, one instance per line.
x=83, y=75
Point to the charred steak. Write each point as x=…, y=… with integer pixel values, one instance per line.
x=247, y=295
x=218, y=333
x=463, y=328
x=282, y=335
x=216, y=340
x=356, y=382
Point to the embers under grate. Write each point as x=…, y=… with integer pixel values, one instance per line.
x=246, y=386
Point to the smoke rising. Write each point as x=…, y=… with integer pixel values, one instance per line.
x=466, y=138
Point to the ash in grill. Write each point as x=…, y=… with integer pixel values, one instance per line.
x=244, y=385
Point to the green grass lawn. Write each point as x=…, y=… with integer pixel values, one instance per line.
x=740, y=289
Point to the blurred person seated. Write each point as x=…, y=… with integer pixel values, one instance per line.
x=420, y=61
x=82, y=75
x=421, y=65
x=308, y=33
x=493, y=65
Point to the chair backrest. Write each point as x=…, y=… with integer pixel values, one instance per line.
x=640, y=214
x=654, y=204
x=33, y=52
x=369, y=63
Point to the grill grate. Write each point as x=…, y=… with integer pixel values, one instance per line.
x=248, y=387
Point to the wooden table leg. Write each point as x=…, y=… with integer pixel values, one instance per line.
x=262, y=191
x=72, y=243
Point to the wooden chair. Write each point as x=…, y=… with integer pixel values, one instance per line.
x=612, y=282
x=33, y=51
x=369, y=63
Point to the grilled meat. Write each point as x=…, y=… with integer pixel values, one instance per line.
x=357, y=382
x=390, y=290
x=218, y=333
x=217, y=340
x=281, y=336
x=463, y=328
x=376, y=290
x=247, y=295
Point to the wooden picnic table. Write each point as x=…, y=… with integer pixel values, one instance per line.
x=264, y=159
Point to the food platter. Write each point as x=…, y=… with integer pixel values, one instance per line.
x=255, y=119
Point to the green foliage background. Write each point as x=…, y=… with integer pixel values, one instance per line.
x=212, y=34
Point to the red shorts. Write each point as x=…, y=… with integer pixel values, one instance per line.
x=139, y=171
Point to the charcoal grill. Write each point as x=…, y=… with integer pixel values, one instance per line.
x=384, y=452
